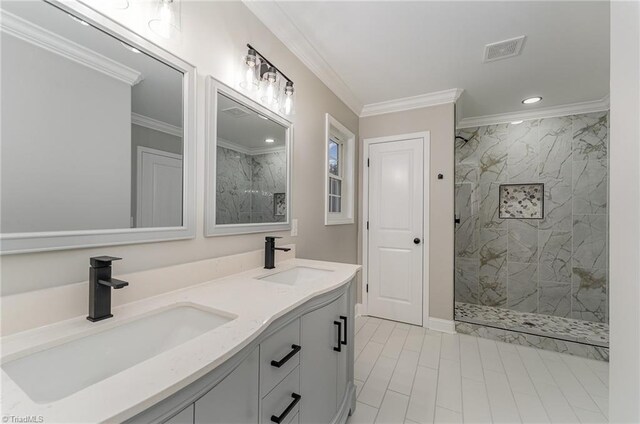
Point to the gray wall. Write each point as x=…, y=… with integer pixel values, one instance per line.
x=439, y=121
x=65, y=143
x=224, y=28
x=554, y=266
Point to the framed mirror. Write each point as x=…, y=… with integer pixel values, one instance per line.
x=98, y=132
x=248, y=165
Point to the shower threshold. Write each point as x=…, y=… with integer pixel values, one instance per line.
x=578, y=337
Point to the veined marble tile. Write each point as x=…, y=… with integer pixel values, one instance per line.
x=523, y=241
x=488, y=213
x=554, y=298
x=557, y=206
x=522, y=287
x=590, y=187
x=589, y=294
x=522, y=158
x=466, y=173
x=590, y=136
x=465, y=231
x=493, y=256
x=465, y=150
x=492, y=158
x=590, y=241
x=466, y=280
x=493, y=292
x=555, y=148
x=555, y=255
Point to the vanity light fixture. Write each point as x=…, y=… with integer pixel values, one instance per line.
x=258, y=74
x=130, y=48
x=532, y=100
x=516, y=122
x=269, y=140
x=167, y=18
x=78, y=20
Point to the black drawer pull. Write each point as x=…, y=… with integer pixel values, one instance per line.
x=296, y=398
x=344, y=319
x=339, y=324
x=294, y=349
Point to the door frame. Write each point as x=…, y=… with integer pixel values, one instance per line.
x=426, y=169
x=151, y=151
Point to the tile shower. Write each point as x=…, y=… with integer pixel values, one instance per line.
x=523, y=270
x=246, y=185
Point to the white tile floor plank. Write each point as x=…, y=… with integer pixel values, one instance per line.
x=430, y=354
x=407, y=374
x=394, y=344
x=376, y=385
x=403, y=375
x=414, y=339
x=475, y=404
x=360, y=321
x=422, y=403
x=366, y=361
x=503, y=405
x=383, y=332
x=364, y=414
x=393, y=408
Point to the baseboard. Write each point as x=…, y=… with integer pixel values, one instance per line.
x=442, y=325
x=359, y=309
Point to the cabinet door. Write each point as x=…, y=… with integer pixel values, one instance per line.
x=235, y=399
x=319, y=365
x=343, y=357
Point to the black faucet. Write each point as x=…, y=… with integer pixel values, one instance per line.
x=100, y=284
x=270, y=251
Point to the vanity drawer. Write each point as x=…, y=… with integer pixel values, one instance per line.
x=283, y=348
x=283, y=401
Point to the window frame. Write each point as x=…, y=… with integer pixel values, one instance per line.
x=337, y=133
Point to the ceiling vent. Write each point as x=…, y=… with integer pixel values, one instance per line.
x=236, y=112
x=503, y=49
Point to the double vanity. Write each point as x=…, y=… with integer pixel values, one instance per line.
x=262, y=346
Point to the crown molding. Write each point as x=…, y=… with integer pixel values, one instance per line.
x=283, y=27
x=250, y=152
x=154, y=124
x=38, y=36
x=547, y=112
x=413, y=102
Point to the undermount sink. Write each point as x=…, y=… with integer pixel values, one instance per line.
x=296, y=275
x=60, y=371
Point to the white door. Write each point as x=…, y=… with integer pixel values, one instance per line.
x=159, y=189
x=395, y=237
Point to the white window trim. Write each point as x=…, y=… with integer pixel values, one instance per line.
x=347, y=164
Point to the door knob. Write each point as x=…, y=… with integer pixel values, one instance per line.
x=416, y=240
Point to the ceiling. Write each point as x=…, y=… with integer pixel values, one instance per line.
x=370, y=52
x=250, y=130
x=157, y=96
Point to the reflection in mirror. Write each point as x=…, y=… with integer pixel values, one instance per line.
x=92, y=127
x=251, y=166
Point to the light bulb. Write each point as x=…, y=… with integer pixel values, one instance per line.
x=287, y=105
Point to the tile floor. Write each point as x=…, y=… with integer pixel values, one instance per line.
x=409, y=375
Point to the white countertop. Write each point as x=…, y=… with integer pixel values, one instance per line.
x=256, y=303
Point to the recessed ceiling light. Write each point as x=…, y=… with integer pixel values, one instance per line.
x=531, y=100
x=516, y=122
x=78, y=20
x=130, y=48
x=269, y=140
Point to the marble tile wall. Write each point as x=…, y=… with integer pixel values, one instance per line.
x=246, y=184
x=554, y=266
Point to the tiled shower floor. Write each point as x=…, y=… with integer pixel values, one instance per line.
x=572, y=330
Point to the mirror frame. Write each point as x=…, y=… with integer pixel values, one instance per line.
x=60, y=240
x=213, y=88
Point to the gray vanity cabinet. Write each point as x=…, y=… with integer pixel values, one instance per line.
x=323, y=362
x=235, y=399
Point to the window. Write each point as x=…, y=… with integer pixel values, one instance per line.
x=340, y=159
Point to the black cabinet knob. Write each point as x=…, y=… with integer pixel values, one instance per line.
x=416, y=240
